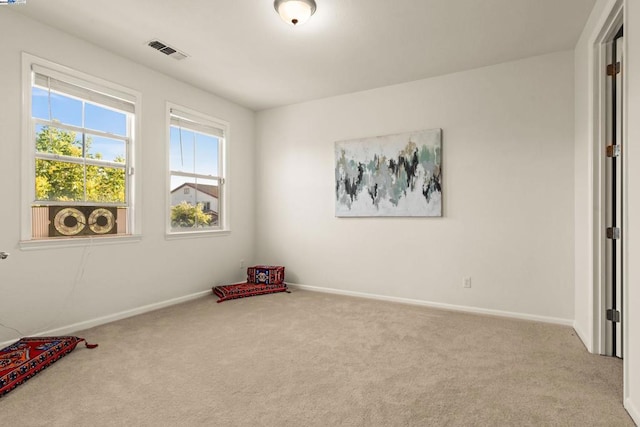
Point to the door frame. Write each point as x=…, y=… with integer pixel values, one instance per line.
x=607, y=32
x=613, y=196
x=600, y=109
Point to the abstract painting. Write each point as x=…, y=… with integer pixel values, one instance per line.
x=393, y=175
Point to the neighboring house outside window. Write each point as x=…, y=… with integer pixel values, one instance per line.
x=80, y=145
x=205, y=195
x=196, y=172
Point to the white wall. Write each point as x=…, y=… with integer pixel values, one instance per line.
x=586, y=297
x=632, y=228
x=42, y=290
x=508, y=191
x=586, y=292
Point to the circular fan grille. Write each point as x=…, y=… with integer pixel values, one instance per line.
x=101, y=221
x=69, y=221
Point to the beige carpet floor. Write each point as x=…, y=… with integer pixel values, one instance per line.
x=311, y=359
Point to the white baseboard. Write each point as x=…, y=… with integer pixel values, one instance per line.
x=69, y=329
x=451, y=307
x=155, y=306
x=632, y=410
x=584, y=338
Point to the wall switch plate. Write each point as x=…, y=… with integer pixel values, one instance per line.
x=466, y=282
x=241, y=264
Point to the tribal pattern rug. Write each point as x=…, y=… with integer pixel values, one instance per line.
x=267, y=274
x=242, y=290
x=27, y=357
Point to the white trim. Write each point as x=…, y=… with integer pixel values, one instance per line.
x=592, y=41
x=583, y=337
x=223, y=227
x=438, y=305
x=634, y=413
x=28, y=150
x=604, y=33
x=78, y=129
x=38, y=244
x=196, y=175
x=610, y=18
x=28, y=158
x=62, y=158
x=70, y=329
x=196, y=234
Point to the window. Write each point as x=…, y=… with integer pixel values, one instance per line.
x=80, y=145
x=196, y=172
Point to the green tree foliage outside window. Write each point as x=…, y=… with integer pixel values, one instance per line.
x=57, y=180
x=188, y=215
x=66, y=181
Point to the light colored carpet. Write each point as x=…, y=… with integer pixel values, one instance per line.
x=311, y=359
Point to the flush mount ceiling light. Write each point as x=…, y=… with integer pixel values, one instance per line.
x=295, y=12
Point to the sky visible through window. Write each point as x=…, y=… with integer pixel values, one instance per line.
x=190, y=152
x=68, y=111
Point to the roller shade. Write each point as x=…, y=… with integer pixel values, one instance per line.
x=197, y=124
x=69, y=85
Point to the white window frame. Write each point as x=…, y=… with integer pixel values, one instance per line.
x=206, y=121
x=31, y=64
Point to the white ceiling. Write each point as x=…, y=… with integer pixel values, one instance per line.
x=242, y=51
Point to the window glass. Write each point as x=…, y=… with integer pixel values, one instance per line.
x=56, y=107
x=59, y=181
x=105, y=119
x=196, y=193
x=40, y=103
x=105, y=184
x=194, y=152
x=206, y=149
x=198, y=208
x=182, y=150
x=54, y=140
x=81, y=152
x=113, y=150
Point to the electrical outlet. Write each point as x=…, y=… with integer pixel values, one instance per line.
x=466, y=282
x=241, y=264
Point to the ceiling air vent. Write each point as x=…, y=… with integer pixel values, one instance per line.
x=167, y=50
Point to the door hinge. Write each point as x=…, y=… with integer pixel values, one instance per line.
x=613, y=69
x=613, y=315
x=613, y=151
x=613, y=233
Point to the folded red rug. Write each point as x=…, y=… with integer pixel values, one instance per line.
x=27, y=357
x=242, y=290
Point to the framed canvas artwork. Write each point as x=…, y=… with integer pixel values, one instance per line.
x=394, y=175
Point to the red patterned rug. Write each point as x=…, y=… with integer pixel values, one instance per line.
x=27, y=357
x=242, y=290
x=267, y=274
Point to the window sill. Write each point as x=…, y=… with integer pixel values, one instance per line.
x=28, y=245
x=196, y=234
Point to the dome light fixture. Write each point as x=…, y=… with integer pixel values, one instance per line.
x=295, y=12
